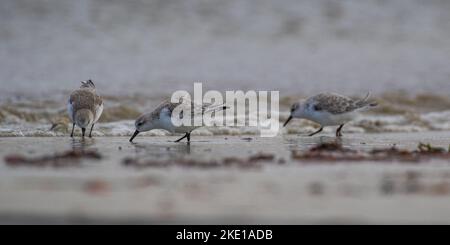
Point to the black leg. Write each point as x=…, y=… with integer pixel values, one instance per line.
x=90, y=133
x=338, y=131
x=83, y=130
x=73, y=128
x=186, y=135
x=318, y=131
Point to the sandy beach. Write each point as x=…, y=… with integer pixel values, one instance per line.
x=280, y=190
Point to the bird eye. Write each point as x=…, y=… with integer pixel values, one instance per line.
x=140, y=124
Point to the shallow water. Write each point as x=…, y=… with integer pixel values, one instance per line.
x=397, y=112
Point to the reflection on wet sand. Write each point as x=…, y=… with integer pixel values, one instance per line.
x=305, y=142
x=80, y=144
x=162, y=149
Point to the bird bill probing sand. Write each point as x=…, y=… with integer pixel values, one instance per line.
x=161, y=118
x=84, y=107
x=329, y=109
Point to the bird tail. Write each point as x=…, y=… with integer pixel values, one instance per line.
x=87, y=84
x=205, y=107
x=217, y=108
x=365, y=102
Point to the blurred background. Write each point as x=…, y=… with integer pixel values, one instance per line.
x=158, y=46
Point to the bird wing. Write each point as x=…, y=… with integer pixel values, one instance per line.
x=70, y=109
x=196, y=109
x=332, y=103
x=83, y=99
x=98, y=112
x=98, y=107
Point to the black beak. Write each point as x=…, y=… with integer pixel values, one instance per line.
x=287, y=121
x=134, y=136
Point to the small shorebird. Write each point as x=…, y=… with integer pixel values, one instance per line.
x=160, y=118
x=329, y=109
x=84, y=107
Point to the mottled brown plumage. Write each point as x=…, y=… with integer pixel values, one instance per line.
x=161, y=117
x=329, y=109
x=85, y=98
x=85, y=106
x=155, y=114
x=335, y=103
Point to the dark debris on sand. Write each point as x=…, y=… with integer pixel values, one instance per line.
x=335, y=152
x=325, y=152
x=65, y=159
x=254, y=161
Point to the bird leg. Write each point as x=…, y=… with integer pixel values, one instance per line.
x=186, y=135
x=318, y=131
x=90, y=133
x=83, y=130
x=73, y=128
x=338, y=131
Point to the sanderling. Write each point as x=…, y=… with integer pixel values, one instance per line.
x=329, y=109
x=85, y=107
x=160, y=118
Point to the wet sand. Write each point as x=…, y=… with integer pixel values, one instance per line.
x=278, y=191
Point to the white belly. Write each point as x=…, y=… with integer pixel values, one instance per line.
x=328, y=119
x=166, y=124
